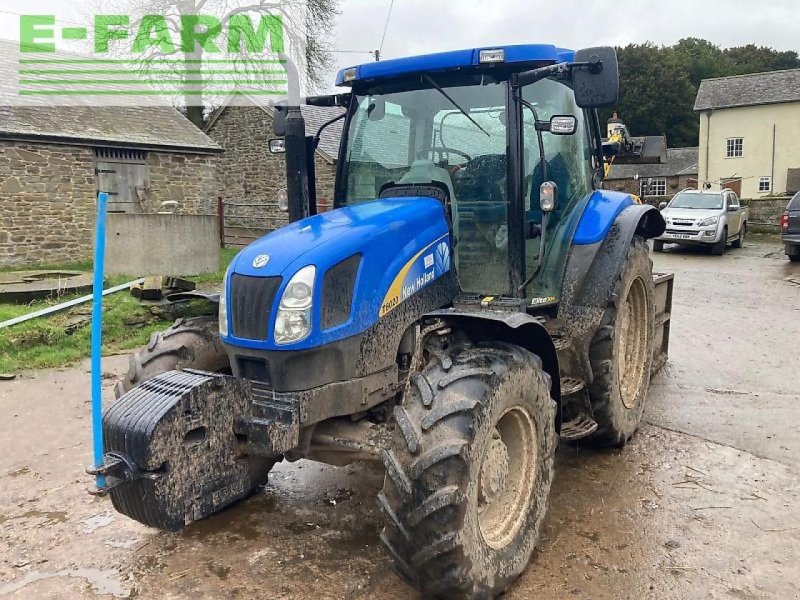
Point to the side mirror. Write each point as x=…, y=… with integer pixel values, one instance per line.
x=563, y=125
x=662, y=205
x=596, y=83
x=277, y=146
x=732, y=208
x=548, y=196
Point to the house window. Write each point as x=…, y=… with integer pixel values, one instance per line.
x=734, y=147
x=654, y=186
x=765, y=184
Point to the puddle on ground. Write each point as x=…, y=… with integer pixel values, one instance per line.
x=335, y=497
x=301, y=527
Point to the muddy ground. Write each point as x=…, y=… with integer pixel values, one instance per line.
x=704, y=503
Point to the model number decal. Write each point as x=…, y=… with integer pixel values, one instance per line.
x=429, y=264
x=542, y=301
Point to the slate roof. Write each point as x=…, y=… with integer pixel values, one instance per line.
x=680, y=161
x=314, y=116
x=151, y=127
x=773, y=87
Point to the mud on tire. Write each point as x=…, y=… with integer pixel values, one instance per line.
x=444, y=531
x=188, y=344
x=621, y=351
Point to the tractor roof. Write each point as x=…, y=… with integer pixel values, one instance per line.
x=517, y=55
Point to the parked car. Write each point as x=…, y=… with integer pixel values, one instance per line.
x=704, y=218
x=790, y=229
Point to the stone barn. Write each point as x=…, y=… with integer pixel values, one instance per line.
x=249, y=177
x=54, y=161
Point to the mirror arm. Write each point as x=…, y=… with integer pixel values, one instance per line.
x=559, y=69
x=539, y=136
x=324, y=125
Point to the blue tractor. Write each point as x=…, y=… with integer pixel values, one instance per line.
x=474, y=296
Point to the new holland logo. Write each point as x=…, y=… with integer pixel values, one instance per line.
x=260, y=261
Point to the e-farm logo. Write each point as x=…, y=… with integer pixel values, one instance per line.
x=191, y=56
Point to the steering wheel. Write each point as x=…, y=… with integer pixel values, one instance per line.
x=443, y=150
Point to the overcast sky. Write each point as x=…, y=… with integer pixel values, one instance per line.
x=420, y=26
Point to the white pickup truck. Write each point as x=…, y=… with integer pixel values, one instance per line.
x=703, y=218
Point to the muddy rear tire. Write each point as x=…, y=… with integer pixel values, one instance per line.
x=188, y=344
x=468, y=471
x=621, y=351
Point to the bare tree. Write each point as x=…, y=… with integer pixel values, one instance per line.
x=306, y=29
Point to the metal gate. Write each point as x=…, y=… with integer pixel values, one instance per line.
x=244, y=221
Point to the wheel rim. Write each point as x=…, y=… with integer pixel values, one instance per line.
x=507, y=474
x=632, y=346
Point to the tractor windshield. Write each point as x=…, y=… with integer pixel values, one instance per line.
x=455, y=135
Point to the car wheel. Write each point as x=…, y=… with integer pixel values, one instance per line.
x=740, y=240
x=718, y=249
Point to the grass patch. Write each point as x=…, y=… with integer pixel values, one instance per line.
x=64, y=337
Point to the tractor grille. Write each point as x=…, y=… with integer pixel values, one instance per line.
x=251, y=305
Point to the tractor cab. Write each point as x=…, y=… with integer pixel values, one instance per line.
x=491, y=129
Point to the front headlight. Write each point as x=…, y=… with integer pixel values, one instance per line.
x=708, y=221
x=223, y=305
x=293, y=322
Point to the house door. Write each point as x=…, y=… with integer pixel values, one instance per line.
x=734, y=184
x=125, y=176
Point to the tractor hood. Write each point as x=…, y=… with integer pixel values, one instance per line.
x=376, y=254
x=330, y=237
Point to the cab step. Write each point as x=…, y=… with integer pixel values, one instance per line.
x=578, y=410
x=578, y=428
x=571, y=385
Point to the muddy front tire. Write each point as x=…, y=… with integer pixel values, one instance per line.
x=469, y=470
x=188, y=344
x=621, y=351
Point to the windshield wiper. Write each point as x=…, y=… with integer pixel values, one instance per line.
x=454, y=103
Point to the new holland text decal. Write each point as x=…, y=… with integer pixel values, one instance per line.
x=426, y=266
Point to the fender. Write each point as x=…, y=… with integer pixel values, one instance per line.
x=592, y=268
x=515, y=328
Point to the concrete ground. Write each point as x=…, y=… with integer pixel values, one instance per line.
x=703, y=503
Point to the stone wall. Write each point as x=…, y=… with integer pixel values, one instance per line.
x=765, y=213
x=248, y=174
x=48, y=191
x=47, y=203
x=188, y=178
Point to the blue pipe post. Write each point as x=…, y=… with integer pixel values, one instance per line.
x=97, y=337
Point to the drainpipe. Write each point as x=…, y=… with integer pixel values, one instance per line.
x=708, y=141
x=772, y=172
